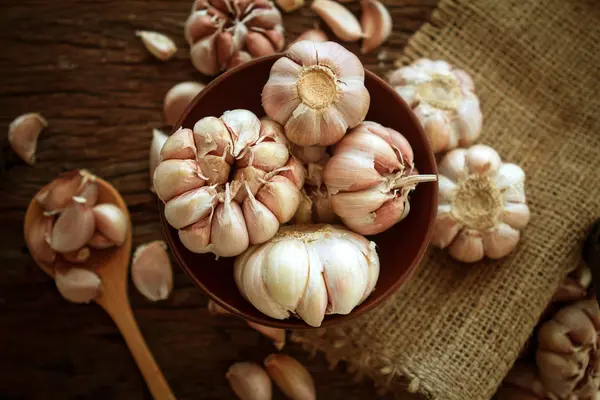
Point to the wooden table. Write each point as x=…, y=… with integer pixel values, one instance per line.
x=80, y=65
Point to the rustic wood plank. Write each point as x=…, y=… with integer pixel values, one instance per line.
x=80, y=65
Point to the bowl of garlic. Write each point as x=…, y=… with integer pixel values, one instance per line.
x=284, y=163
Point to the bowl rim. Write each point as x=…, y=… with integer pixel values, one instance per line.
x=330, y=320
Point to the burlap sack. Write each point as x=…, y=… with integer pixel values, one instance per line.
x=455, y=329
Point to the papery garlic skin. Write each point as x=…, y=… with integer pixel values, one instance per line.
x=249, y=381
x=23, y=134
x=178, y=98
x=317, y=92
x=225, y=33
x=151, y=271
x=308, y=270
x=481, y=206
x=443, y=100
x=291, y=377
x=78, y=285
x=370, y=176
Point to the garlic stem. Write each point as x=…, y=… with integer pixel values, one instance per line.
x=403, y=181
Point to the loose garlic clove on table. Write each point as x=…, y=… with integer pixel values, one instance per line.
x=151, y=271
x=442, y=98
x=317, y=91
x=23, y=134
x=249, y=381
x=291, y=377
x=481, y=204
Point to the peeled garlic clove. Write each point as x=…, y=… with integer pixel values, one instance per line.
x=266, y=156
x=446, y=227
x=313, y=35
x=99, y=241
x=244, y=127
x=376, y=24
x=180, y=146
x=339, y=19
x=73, y=228
x=78, y=285
x=190, y=207
x=483, y=160
x=215, y=168
x=215, y=309
x=151, y=271
x=280, y=196
x=23, y=134
x=250, y=176
x=229, y=234
x=351, y=171
x=262, y=224
x=500, y=241
x=275, y=334
x=289, y=5
x=37, y=240
x=453, y=165
x=313, y=303
x=516, y=215
x=196, y=237
x=295, y=172
x=286, y=272
x=161, y=46
x=77, y=256
x=174, y=177
x=308, y=154
x=386, y=160
x=468, y=246
x=158, y=140
x=291, y=377
x=177, y=99
x=111, y=222
x=59, y=193
x=249, y=381
x=350, y=204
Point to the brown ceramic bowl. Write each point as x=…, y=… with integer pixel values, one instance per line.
x=400, y=248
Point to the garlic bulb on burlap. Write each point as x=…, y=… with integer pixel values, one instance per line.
x=568, y=354
x=317, y=92
x=223, y=214
x=221, y=33
x=308, y=271
x=442, y=98
x=370, y=176
x=481, y=204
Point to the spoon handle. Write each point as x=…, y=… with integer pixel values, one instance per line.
x=120, y=312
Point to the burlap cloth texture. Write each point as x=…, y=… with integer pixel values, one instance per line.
x=455, y=329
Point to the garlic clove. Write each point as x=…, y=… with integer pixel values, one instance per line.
x=313, y=303
x=159, y=45
x=258, y=45
x=470, y=119
x=190, y=207
x=394, y=138
x=446, y=189
x=285, y=272
x=453, y=165
x=351, y=171
x=73, y=228
x=291, y=377
x=280, y=97
x=308, y=154
x=339, y=19
x=270, y=129
x=177, y=99
x=515, y=214
x=37, y=240
x=59, y=193
x=280, y=196
x=180, y=146
x=376, y=23
x=510, y=180
x=239, y=58
x=89, y=190
x=500, y=241
x=225, y=48
x=151, y=271
x=351, y=204
x=244, y=127
x=215, y=168
x=468, y=246
x=212, y=137
x=249, y=381
x=312, y=35
x=289, y=5
x=307, y=127
x=482, y=160
x=446, y=227
x=196, y=237
x=389, y=214
x=158, y=140
x=229, y=234
x=296, y=172
x=408, y=94
x=215, y=309
x=99, y=241
x=322, y=206
x=204, y=55
x=78, y=256
x=262, y=224
x=250, y=176
x=304, y=213
x=373, y=271
x=174, y=177
x=111, y=222
x=23, y=134
x=386, y=160
x=198, y=25
x=266, y=156
x=275, y=334
x=78, y=285
x=437, y=127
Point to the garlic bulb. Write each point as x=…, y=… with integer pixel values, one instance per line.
x=481, y=204
x=249, y=381
x=370, y=177
x=308, y=271
x=219, y=31
x=317, y=91
x=158, y=140
x=442, y=98
x=23, y=134
x=151, y=271
x=219, y=213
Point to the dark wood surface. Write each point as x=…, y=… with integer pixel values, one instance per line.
x=80, y=65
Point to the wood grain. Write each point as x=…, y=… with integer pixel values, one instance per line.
x=80, y=65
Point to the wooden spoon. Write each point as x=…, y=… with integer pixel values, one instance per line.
x=112, y=265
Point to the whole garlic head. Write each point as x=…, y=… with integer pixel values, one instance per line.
x=442, y=98
x=481, y=204
x=308, y=271
x=223, y=32
x=228, y=183
x=317, y=92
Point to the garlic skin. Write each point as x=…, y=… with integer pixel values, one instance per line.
x=78, y=285
x=249, y=381
x=291, y=377
x=111, y=223
x=317, y=92
x=178, y=98
x=339, y=19
x=217, y=213
x=151, y=271
x=443, y=100
x=224, y=33
x=308, y=270
x=369, y=178
x=158, y=44
x=23, y=134
x=481, y=206
x=158, y=140
x=376, y=23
